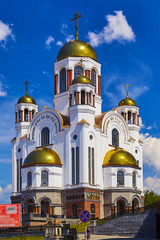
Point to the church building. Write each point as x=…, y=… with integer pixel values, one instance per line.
x=74, y=156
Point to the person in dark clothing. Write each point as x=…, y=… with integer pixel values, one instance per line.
x=88, y=233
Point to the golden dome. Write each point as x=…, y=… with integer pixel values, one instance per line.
x=42, y=156
x=81, y=79
x=119, y=157
x=127, y=101
x=26, y=99
x=76, y=48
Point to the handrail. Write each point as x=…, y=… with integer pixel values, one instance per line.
x=127, y=212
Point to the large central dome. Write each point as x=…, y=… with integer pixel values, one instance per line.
x=76, y=48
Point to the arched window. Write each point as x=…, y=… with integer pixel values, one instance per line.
x=77, y=71
x=93, y=77
x=129, y=117
x=45, y=136
x=19, y=115
x=26, y=118
x=75, y=210
x=33, y=113
x=44, y=207
x=134, y=179
x=115, y=137
x=44, y=177
x=83, y=97
x=29, y=179
x=92, y=210
x=120, y=178
x=63, y=80
x=122, y=113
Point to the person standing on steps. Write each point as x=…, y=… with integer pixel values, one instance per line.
x=88, y=233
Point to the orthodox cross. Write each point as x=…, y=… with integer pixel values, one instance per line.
x=81, y=61
x=127, y=85
x=76, y=16
x=26, y=83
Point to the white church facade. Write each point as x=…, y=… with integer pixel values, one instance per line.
x=73, y=156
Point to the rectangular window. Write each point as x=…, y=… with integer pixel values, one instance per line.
x=17, y=175
x=89, y=164
x=77, y=165
x=73, y=167
x=92, y=165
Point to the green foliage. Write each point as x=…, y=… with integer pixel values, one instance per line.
x=81, y=226
x=150, y=197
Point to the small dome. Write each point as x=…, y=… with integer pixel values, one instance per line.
x=42, y=156
x=26, y=99
x=127, y=101
x=76, y=48
x=81, y=79
x=119, y=157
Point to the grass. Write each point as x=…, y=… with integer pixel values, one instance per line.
x=24, y=238
x=81, y=226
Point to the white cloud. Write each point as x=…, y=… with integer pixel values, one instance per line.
x=117, y=29
x=46, y=73
x=151, y=150
x=152, y=183
x=152, y=126
x=69, y=38
x=48, y=42
x=134, y=92
x=59, y=43
x=5, y=34
x=5, y=192
x=3, y=93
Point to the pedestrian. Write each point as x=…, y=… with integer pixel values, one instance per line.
x=88, y=233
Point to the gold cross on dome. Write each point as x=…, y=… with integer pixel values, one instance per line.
x=26, y=83
x=127, y=86
x=81, y=61
x=76, y=16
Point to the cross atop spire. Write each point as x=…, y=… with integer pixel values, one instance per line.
x=76, y=16
x=81, y=61
x=26, y=83
x=127, y=85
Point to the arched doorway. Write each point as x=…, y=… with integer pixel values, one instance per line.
x=44, y=208
x=92, y=211
x=121, y=207
x=135, y=205
x=30, y=206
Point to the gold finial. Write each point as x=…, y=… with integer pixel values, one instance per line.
x=26, y=83
x=127, y=85
x=76, y=16
x=81, y=61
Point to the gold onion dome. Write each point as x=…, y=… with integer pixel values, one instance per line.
x=81, y=79
x=119, y=157
x=42, y=156
x=26, y=99
x=76, y=48
x=127, y=101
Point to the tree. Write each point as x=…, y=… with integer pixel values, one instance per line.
x=150, y=197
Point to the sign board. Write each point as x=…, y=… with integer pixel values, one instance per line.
x=84, y=216
x=9, y=215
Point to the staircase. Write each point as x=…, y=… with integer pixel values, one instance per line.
x=138, y=225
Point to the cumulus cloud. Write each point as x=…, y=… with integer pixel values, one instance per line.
x=5, y=34
x=59, y=43
x=5, y=193
x=151, y=150
x=152, y=183
x=3, y=93
x=117, y=29
x=48, y=42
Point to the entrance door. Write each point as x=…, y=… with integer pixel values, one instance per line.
x=44, y=208
x=120, y=207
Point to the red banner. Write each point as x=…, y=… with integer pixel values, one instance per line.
x=9, y=215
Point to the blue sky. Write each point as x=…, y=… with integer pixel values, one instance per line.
x=125, y=35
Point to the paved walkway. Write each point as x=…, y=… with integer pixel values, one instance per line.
x=104, y=237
